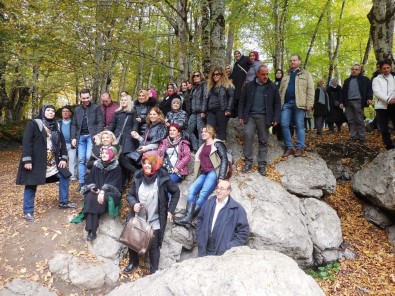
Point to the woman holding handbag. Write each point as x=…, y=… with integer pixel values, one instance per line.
x=149, y=195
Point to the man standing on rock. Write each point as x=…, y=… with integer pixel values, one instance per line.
x=88, y=121
x=356, y=94
x=259, y=108
x=221, y=224
x=297, y=96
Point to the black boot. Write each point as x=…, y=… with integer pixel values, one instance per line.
x=133, y=263
x=187, y=219
x=196, y=212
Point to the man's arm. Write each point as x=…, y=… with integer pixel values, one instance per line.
x=309, y=92
x=242, y=230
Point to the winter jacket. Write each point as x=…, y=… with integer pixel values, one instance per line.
x=142, y=113
x=272, y=102
x=384, y=90
x=225, y=97
x=108, y=112
x=304, y=89
x=335, y=113
x=180, y=117
x=238, y=76
x=320, y=109
x=128, y=143
x=183, y=156
x=165, y=186
x=165, y=104
x=234, y=228
x=154, y=133
x=365, y=89
x=95, y=120
x=218, y=158
x=197, y=97
x=34, y=151
x=251, y=74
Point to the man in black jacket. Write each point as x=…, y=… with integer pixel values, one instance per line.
x=259, y=108
x=88, y=121
x=357, y=93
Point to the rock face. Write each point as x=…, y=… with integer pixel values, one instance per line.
x=240, y=271
x=84, y=274
x=307, y=176
x=19, y=287
x=376, y=182
x=376, y=216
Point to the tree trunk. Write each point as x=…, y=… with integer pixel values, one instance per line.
x=367, y=52
x=151, y=71
x=205, y=36
x=381, y=18
x=217, y=35
x=34, y=90
x=316, y=31
x=229, y=43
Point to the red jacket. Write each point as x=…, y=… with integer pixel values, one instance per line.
x=184, y=155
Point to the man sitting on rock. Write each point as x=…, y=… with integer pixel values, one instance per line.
x=221, y=224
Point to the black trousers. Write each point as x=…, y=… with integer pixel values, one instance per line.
x=383, y=117
x=154, y=253
x=217, y=119
x=92, y=222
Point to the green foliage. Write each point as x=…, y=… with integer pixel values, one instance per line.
x=324, y=272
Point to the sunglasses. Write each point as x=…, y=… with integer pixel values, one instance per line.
x=217, y=74
x=195, y=75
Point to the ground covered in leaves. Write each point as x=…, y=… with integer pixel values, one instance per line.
x=27, y=247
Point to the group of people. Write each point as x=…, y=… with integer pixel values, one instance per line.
x=153, y=141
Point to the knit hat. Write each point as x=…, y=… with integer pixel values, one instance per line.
x=154, y=159
x=176, y=99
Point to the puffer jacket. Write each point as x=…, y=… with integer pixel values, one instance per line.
x=180, y=117
x=218, y=158
x=142, y=112
x=184, y=154
x=304, y=89
x=225, y=97
x=197, y=97
x=384, y=90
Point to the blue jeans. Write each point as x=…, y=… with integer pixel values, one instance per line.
x=203, y=186
x=175, y=178
x=291, y=113
x=30, y=194
x=84, y=154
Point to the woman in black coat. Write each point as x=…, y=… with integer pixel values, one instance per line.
x=321, y=105
x=336, y=114
x=171, y=93
x=149, y=194
x=103, y=185
x=142, y=106
x=44, y=160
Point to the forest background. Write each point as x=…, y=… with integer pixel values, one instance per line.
x=51, y=49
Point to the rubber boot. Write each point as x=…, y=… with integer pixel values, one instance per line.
x=187, y=219
x=133, y=263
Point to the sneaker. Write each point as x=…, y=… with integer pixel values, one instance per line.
x=67, y=205
x=246, y=168
x=29, y=217
x=79, y=187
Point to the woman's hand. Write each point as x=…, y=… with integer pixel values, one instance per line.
x=167, y=124
x=138, y=119
x=169, y=217
x=227, y=113
x=62, y=164
x=28, y=166
x=100, y=197
x=135, y=134
x=143, y=149
x=203, y=115
x=137, y=207
x=175, y=170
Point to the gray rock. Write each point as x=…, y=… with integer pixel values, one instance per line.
x=324, y=230
x=106, y=244
x=238, y=272
x=374, y=215
x=84, y=274
x=348, y=254
x=19, y=287
x=307, y=176
x=376, y=182
x=391, y=234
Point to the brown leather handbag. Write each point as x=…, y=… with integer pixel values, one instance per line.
x=137, y=234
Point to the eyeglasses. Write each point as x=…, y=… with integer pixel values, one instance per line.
x=355, y=69
x=221, y=188
x=217, y=74
x=195, y=75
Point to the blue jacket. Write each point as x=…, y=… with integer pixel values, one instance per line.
x=233, y=232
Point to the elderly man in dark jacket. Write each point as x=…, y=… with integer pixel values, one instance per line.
x=259, y=108
x=88, y=121
x=221, y=224
x=357, y=93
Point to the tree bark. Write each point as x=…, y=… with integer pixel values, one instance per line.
x=205, y=36
x=217, y=35
x=381, y=18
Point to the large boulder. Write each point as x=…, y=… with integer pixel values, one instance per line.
x=106, y=244
x=376, y=182
x=84, y=274
x=307, y=176
x=19, y=287
x=240, y=271
x=376, y=216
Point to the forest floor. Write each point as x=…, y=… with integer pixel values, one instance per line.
x=27, y=247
